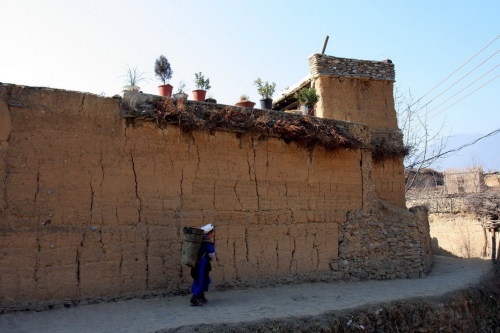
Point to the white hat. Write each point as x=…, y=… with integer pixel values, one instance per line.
x=207, y=228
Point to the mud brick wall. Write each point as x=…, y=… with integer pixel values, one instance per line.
x=363, y=101
x=93, y=206
x=461, y=235
x=387, y=175
x=362, y=91
x=464, y=181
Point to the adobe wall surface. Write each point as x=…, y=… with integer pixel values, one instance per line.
x=464, y=181
x=93, y=207
x=369, y=102
x=363, y=101
x=389, y=180
x=459, y=235
x=492, y=180
x=362, y=91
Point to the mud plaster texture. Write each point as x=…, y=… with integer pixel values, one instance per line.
x=460, y=235
x=92, y=207
x=362, y=91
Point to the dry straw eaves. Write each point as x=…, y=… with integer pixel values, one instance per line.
x=305, y=131
x=383, y=148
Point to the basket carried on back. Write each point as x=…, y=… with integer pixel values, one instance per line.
x=191, y=245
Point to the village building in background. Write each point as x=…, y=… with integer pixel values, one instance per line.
x=464, y=206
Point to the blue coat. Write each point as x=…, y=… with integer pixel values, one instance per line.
x=200, y=273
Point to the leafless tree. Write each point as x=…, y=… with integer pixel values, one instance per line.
x=484, y=204
x=425, y=143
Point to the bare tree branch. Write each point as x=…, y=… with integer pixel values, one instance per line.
x=425, y=143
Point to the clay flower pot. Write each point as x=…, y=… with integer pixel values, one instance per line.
x=199, y=95
x=246, y=104
x=165, y=90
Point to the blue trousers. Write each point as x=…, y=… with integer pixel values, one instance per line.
x=201, y=278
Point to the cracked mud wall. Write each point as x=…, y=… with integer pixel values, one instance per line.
x=460, y=235
x=389, y=180
x=92, y=207
x=368, y=101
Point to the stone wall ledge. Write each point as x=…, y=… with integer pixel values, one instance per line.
x=355, y=76
x=320, y=64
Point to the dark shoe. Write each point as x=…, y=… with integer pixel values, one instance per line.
x=202, y=298
x=195, y=301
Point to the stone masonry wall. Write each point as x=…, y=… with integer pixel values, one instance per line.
x=383, y=245
x=93, y=206
x=328, y=65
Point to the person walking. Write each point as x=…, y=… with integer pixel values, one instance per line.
x=200, y=273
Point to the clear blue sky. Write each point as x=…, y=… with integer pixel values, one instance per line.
x=86, y=45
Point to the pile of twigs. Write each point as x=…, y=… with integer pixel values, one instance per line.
x=305, y=131
x=384, y=148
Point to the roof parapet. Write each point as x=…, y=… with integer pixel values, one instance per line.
x=328, y=65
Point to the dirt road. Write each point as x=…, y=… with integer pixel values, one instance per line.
x=147, y=315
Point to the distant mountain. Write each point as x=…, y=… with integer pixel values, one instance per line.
x=484, y=153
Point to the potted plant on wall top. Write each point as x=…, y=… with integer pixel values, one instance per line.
x=164, y=72
x=266, y=91
x=180, y=94
x=245, y=102
x=203, y=84
x=307, y=97
x=132, y=78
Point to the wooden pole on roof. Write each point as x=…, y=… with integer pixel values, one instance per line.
x=324, y=44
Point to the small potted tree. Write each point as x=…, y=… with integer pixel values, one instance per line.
x=266, y=91
x=180, y=94
x=132, y=78
x=203, y=84
x=244, y=102
x=164, y=72
x=307, y=97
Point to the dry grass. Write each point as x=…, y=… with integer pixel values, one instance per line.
x=384, y=148
x=305, y=131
